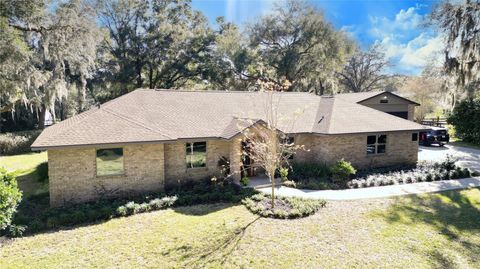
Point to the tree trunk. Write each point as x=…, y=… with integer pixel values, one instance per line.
x=82, y=92
x=150, y=77
x=272, y=178
x=41, y=117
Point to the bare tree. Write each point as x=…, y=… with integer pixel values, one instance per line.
x=364, y=71
x=269, y=147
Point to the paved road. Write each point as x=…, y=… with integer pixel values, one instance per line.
x=467, y=157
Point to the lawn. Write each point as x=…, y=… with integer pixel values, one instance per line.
x=25, y=167
x=432, y=230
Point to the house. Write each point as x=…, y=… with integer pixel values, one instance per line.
x=149, y=139
x=384, y=101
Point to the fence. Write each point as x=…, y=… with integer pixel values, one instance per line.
x=437, y=122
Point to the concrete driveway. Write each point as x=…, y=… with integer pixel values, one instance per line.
x=467, y=157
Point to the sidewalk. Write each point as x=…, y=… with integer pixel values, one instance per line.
x=377, y=192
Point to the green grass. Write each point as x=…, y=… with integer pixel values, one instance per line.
x=439, y=230
x=24, y=166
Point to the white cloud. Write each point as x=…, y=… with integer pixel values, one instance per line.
x=407, y=44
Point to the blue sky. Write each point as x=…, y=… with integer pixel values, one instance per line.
x=395, y=24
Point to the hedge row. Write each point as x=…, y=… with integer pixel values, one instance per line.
x=18, y=142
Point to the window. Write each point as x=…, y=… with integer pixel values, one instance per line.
x=376, y=144
x=384, y=101
x=414, y=136
x=196, y=154
x=109, y=162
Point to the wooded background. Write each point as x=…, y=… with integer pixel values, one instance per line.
x=64, y=57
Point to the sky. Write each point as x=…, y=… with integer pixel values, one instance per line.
x=397, y=25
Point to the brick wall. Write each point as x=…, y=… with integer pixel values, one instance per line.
x=176, y=171
x=400, y=149
x=73, y=179
x=150, y=167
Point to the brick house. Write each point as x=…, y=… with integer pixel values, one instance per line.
x=149, y=139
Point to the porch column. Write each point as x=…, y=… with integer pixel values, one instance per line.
x=236, y=158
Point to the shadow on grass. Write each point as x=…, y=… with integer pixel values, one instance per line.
x=452, y=214
x=220, y=251
x=203, y=209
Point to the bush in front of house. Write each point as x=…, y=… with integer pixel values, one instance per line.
x=10, y=197
x=341, y=171
x=285, y=207
x=17, y=142
x=34, y=213
x=423, y=172
x=300, y=171
x=244, y=181
x=321, y=176
x=465, y=117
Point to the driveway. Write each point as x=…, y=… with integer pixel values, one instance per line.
x=467, y=157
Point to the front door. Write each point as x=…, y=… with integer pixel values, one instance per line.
x=248, y=168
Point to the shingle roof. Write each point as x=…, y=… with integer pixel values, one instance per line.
x=357, y=97
x=164, y=115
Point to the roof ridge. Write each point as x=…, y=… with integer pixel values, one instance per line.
x=205, y=91
x=134, y=122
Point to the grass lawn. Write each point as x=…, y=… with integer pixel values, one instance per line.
x=432, y=230
x=24, y=166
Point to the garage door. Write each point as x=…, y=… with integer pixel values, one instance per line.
x=401, y=114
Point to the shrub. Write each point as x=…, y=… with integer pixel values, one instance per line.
x=10, y=197
x=285, y=207
x=449, y=163
x=16, y=230
x=283, y=173
x=342, y=170
x=42, y=171
x=17, y=142
x=244, y=181
x=301, y=171
x=466, y=172
x=424, y=171
x=289, y=183
x=464, y=118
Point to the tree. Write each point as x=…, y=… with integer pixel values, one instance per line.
x=14, y=52
x=10, y=197
x=63, y=42
x=465, y=118
x=460, y=23
x=233, y=63
x=270, y=148
x=295, y=43
x=364, y=71
x=160, y=44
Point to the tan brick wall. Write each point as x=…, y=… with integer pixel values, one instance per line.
x=400, y=149
x=150, y=167
x=72, y=174
x=176, y=171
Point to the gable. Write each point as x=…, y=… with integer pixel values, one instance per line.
x=392, y=99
